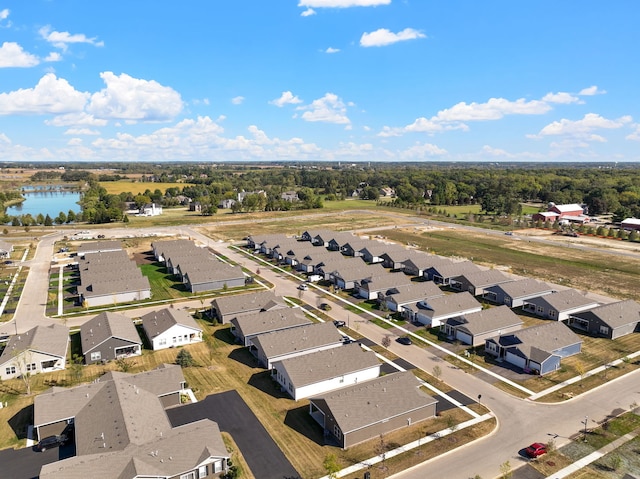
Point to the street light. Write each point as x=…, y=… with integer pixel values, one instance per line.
x=585, y=422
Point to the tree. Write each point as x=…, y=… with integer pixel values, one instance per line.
x=48, y=221
x=124, y=365
x=76, y=367
x=25, y=366
x=184, y=359
x=505, y=470
x=71, y=216
x=436, y=372
x=61, y=218
x=386, y=341
x=331, y=465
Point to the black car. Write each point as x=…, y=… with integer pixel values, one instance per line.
x=339, y=324
x=406, y=340
x=51, y=441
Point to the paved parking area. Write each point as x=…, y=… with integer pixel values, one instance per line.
x=228, y=409
x=26, y=463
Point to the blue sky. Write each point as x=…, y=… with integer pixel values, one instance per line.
x=339, y=80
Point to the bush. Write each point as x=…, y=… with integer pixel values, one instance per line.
x=184, y=359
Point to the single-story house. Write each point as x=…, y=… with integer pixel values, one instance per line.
x=630, y=224
x=478, y=281
x=611, y=321
x=432, y=312
x=376, y=251
x=571, y=212
x=6, y=249
x=228, y=307
x=538, y=349
x=349, y=274
x=397, y=257
x=213, y=277
x=323, y=371
x=39, y=350
x=418, y=263
x=381, y=284
x=109, y=336
x=248, y=326
x=411, y=293
x=293, y=342
x=367, y=410
x=515, y=293
x=150, y=209
x=559, y=306
x=475, y=328
x=170, y=327
x=338, y=240
x=443, y=273
x=354, y=247
x=99, y=247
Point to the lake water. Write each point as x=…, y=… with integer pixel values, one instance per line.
x=46, y=202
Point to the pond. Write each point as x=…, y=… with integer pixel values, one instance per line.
x=46, y=202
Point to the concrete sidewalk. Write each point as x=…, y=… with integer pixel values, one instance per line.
x=594, y=456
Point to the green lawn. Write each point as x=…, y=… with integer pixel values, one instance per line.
x=163, y=284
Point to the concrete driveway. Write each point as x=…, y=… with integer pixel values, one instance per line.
x=228, y=409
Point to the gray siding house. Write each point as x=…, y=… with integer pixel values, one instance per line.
x=246, y=327
x=609, y=320
x=228, y=307
x=515, y=293
x=558, y=306
x=475, y=328
x=477, y=282
x=109, y=336
x=433, y=312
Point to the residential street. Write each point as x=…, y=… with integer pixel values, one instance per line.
x=520, y=422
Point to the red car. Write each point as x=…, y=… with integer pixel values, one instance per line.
x=536, y=449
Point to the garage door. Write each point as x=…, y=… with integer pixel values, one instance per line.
x=517, y=360
x=464, y=337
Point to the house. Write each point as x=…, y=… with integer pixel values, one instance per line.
x=226, y=203
x=290, y=196
x=150, y=209
x=418, y=263
x=354, y=247
x=397, y=255
x=375, y=251
x=387, y=192
x=515, y=293
x=121, y=429
x=630, y=224
x=381, y=285
x=558, y=306
x=99, y=247
x=246, y=327
x=6, y=249
x=338, y=240
x=443, y=273
x=611, y=321
x=367, y=410
x=568, y=213
x=310, y=262
x=432, y=312
x=412, y=293
x=349, y=275
x=322, y=237
x=109, y=336
x=293, y=342
x=39, y=350
x=215, y=276
x=323, y=371
x=264, y=243
x=228, y=307
x=475, y=328
x=538, y=349
x=170, y=327
x=478, y=281
x=195, y=206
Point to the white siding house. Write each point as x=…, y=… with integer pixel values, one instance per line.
x=170, y=328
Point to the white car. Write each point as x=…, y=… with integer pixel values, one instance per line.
x=303, y=287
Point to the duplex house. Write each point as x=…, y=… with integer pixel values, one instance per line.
x=293, y=342
x=375, y=251
x=109, y=336
x=538, y=350
x=310, y=261
x=397, y=256
x=443, y=273
x=170, y=327
x=339, y=239
x=432, y=312
x=369, y=409
x=347, y=276
x=611, y=321
x=515, y=293
x=475, y=328
x=354, y=246
x=247, y=327
x=99, y=247
x=319, y=237
x=478, y=281
x=410, y=294
x=228, y=307
x=381, y=284
x=323, y=371
x=213, y=277
x=419, y=263
x=558, y=306
x=39, y=350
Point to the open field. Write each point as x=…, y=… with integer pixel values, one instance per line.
x=136, y=187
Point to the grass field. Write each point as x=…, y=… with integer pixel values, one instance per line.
x=136, y=187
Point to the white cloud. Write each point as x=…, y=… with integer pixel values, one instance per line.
x=497, y=152
x=383, y=37
x=63, y=39
x=592, y=90
x=75, y=142
x=53, y=57
x=237, y=100
x=308, y=12
x=134, y=99
x=421, y=150
x=4, y=14
x=433, y=125
x=582, y=128
x=76, y=119
x=81, y=131
x=50, y=95
x=342, y=3
x=332, y=50
x=12, y=55
x=635, y=135
x=286, y=98
x=561, y=98
x=494, y=109
x=328, y=109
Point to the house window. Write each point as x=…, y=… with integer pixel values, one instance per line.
x=604, y=330
x=202, y=472
x=291, y=387
x=552, y=313
x=162, y=342
x=188, y=475
x=507, y=300
x=540, y=309
x=11, y=370
x=31, y=367
x=337, y=432
x=175, y=340
x=96, y=356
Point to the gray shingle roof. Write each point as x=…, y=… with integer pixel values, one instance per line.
x=484, y=278
x=450, y=270
x=244, y=303
x=374, y=401
x=524, y=288
x=414, y=292
x=52, y=339
x=356, y=271
x=331, y=363
x=267, y=321
x=451, y=303
x=104, y=326
x=304, y=338
x=616, y=314
x=564, y=300
x=547, y=337
x=487, y=320
x=157, y=322
x=385, y=281
x=96, y=246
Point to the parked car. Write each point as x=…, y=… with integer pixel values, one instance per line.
x=100, y=236
x=339, y=324
x=509, y=233
x=406, y=340
x=325, y=307
x=52, y=441
x=347, y=340
x=303, y=287
x=536, y=449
